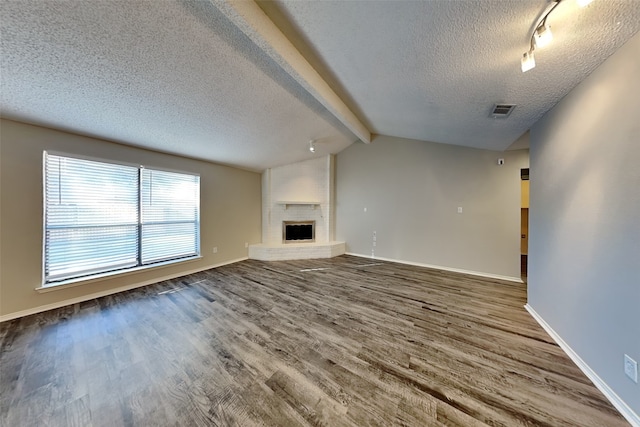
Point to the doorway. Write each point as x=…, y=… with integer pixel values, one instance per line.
x=524, y=222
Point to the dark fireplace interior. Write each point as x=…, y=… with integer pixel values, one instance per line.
x=298, y=231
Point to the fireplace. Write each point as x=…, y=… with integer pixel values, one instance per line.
x=298, y=231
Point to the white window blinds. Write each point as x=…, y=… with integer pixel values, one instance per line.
x=169, y=223
x=102, y=217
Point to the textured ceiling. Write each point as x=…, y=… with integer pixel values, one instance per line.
x=171, y=76
x=181, y=77
x=432, y=70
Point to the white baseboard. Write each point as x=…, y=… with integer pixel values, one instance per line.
x=439, y=267
x=611, y=395
x=95, y=295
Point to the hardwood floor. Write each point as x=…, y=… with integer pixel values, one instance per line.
x=337, y=342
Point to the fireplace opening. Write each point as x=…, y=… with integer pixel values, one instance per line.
x=298, y=231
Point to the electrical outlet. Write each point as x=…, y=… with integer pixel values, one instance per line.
x=215, y=249
x=459, y=209
x=631, y=368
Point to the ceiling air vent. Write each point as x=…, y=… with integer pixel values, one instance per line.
x=502, y=111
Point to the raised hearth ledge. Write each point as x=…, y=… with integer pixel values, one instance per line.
x=291, y=251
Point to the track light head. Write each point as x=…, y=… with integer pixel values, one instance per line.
x=528, y=61
x=543, y=35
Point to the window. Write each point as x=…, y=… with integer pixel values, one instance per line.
x=102, y=217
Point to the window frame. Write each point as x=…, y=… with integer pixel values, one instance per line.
x=139, y=267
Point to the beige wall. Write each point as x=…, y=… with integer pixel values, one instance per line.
x=230, y=213
x=584, y=246
x=412, y=189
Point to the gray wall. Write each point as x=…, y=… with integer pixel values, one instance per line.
x=412, y=189
x=584, y=246
x=229, y=213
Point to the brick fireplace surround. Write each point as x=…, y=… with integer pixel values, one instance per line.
x=301, y=191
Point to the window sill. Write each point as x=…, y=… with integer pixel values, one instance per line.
x=71, y=283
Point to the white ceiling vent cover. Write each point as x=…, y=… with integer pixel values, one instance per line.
x=502, y=111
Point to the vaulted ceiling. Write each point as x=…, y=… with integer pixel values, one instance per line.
x=249, y=84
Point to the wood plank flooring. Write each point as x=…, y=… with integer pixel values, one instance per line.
x=336, y=342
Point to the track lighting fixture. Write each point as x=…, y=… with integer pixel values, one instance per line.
x=312, y=146
x=528, y=61
x=541, y=35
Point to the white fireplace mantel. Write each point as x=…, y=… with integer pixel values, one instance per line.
x=298, y=192
x=287, y=203
x=301, y=191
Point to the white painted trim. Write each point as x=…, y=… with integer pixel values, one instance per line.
x=72, y=283
x=608, y=392
x=439, y=267
x=95, y=295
